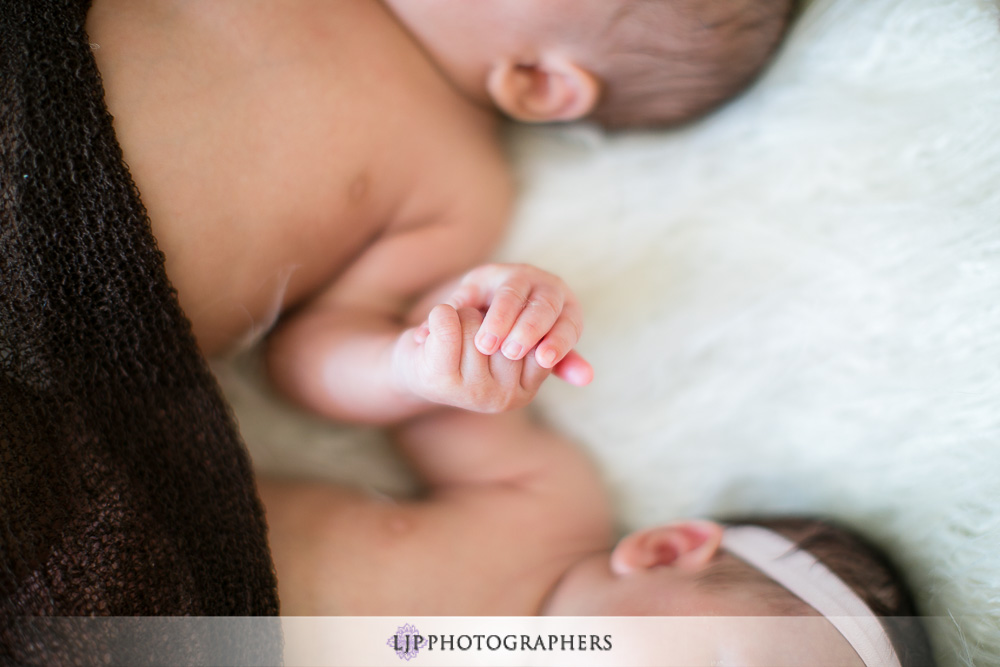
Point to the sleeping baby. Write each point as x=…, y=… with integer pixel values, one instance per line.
x=515, y=521
x=333, y=162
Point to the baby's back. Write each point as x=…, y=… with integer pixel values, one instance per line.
x=274, y=143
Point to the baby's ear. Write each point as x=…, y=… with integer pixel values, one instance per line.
x=552, y=89
x=688, y=545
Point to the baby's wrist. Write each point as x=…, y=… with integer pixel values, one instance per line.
x=401, y=381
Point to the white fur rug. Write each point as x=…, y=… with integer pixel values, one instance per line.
x=792, y=306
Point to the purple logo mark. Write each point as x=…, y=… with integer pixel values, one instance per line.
x=406, y=642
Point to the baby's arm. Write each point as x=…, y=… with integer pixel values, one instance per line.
x=458, y=453
x=334, y=355
x=347, y=358
x=509, y=506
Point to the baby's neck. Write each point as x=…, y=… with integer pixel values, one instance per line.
x=468, y=79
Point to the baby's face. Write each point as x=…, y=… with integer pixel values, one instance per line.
x=633, y=62
x=466, y=37
x=481, y=25
x=743, y=630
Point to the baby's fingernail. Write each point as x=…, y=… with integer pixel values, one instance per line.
x=488, y=343
x=512, y=350
x=548, y=358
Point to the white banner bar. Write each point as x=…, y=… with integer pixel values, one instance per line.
x=563, y=641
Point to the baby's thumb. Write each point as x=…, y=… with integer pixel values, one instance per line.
x=444, y=341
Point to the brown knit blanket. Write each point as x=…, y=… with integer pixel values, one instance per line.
x=124, y=486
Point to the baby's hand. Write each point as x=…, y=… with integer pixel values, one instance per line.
x=526, y=308
x=439, y=362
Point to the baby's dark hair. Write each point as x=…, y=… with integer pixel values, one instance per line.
x=668, y=61
x=858, y=563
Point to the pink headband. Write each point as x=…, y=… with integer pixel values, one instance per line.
x=804, y=576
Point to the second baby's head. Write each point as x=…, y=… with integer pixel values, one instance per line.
x=754, y=574
x=624, y=63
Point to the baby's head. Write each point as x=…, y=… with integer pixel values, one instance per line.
x=624, y=63
x=703, y=568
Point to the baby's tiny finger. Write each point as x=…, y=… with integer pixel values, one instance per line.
x=536, y=320
x=420, y=333
x=533, y=375
x=561, y=338
x=574, y=369
x=474, y=364
x=508, y=302
x=466, y=295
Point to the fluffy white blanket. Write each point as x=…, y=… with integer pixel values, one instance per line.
x=792, y=306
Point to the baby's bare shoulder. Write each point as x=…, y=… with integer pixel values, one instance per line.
x=510, y=508
x=289, y=105
x=538, y=493
x=275, y=139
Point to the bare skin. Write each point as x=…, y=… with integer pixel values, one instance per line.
x=515, y=521
x=244, y=129
x=514, y=479
x=338, y=551
x=332, y=162
x=307, y=160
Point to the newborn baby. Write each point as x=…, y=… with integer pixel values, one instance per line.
x=335, y=161
x=515, y=521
